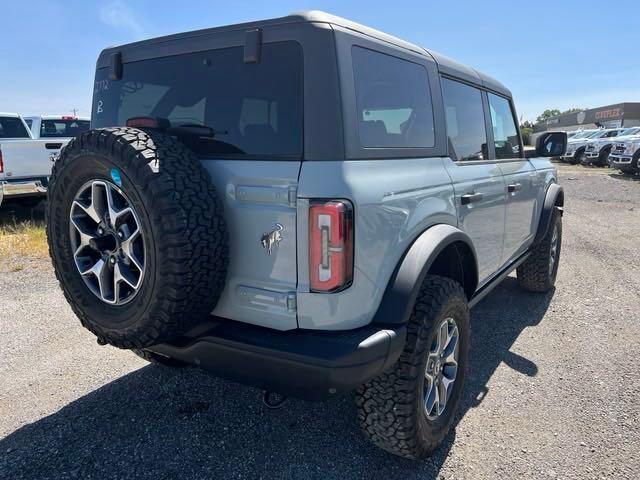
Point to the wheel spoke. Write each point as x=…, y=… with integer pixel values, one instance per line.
x=83, y=232
x=443, y=336
x=451, y=359
x=90, y=211
x=442, y=396
x=100, y=272
x=127, y=249
x=114, y=214
x=431, y=398
x=98, y=201
x=122, y=273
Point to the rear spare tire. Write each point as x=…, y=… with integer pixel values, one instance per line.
x=136, y=235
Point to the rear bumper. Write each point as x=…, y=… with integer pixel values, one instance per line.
x=307, y=364
x=24, y=188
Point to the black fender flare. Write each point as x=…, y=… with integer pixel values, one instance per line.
x=404, y=285
x=553, y=200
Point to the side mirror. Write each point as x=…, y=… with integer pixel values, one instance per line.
x=550, y=144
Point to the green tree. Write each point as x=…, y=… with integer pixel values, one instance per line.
x=547, y=114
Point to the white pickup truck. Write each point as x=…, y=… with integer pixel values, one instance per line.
x=26, y=158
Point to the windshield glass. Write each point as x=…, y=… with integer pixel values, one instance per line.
x=629, y=131
x=585, y=134
x=254, y=109
x=597, y=134
x=55, y=128
x=12, y=127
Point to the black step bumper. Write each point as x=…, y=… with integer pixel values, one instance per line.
x=307, y=364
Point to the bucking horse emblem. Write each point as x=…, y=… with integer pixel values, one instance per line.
x=270, y=239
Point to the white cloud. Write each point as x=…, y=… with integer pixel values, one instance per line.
x=118, y=14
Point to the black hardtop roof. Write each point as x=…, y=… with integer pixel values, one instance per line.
x=446, y=65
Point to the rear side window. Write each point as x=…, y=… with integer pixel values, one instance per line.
x=464, y=116
x=12, y=127
x=62, y=128
x=393, y=101
x=28, y=122
x=505, y=132
x=254, y=109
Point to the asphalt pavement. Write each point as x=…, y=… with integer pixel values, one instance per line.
x=552, y=392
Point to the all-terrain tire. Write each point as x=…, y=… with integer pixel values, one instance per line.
x=390, y=407
x=537, y=274
x=152, y=357
x=182, y=226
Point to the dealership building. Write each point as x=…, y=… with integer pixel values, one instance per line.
x=612, y=116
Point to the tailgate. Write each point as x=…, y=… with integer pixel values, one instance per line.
x=28, y=158
x=260, y=212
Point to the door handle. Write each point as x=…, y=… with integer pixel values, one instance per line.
x=514, y=187
x=468, y=198
x=53, y=146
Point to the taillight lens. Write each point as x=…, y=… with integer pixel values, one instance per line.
x=330, y=245
x=1, y=163
x=147, y=122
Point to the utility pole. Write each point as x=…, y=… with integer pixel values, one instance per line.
x=75, y=112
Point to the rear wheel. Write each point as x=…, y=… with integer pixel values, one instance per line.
x=538, y=273
x=409, y=410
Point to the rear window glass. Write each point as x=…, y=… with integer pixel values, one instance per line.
x=63, y=128
x=12, y=127
x=393, y=101
x=254, y=109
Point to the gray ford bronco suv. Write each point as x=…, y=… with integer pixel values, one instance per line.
x=305, y=205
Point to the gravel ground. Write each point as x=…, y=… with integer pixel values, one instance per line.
x=552, y=391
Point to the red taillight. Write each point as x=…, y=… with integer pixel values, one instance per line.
x=143, y=122
x=330, y=245
x=67, y=117
x=1, y=163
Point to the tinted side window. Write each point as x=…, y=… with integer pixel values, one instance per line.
x=505, y=132
x=11, y=127
x=254, y=108
x=393, y=99
x=464, y=116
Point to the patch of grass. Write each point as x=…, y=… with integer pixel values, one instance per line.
x=23, y=239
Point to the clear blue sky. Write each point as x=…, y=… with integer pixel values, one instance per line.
x=551, y=54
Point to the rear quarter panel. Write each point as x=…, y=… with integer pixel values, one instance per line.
x=394, y=202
